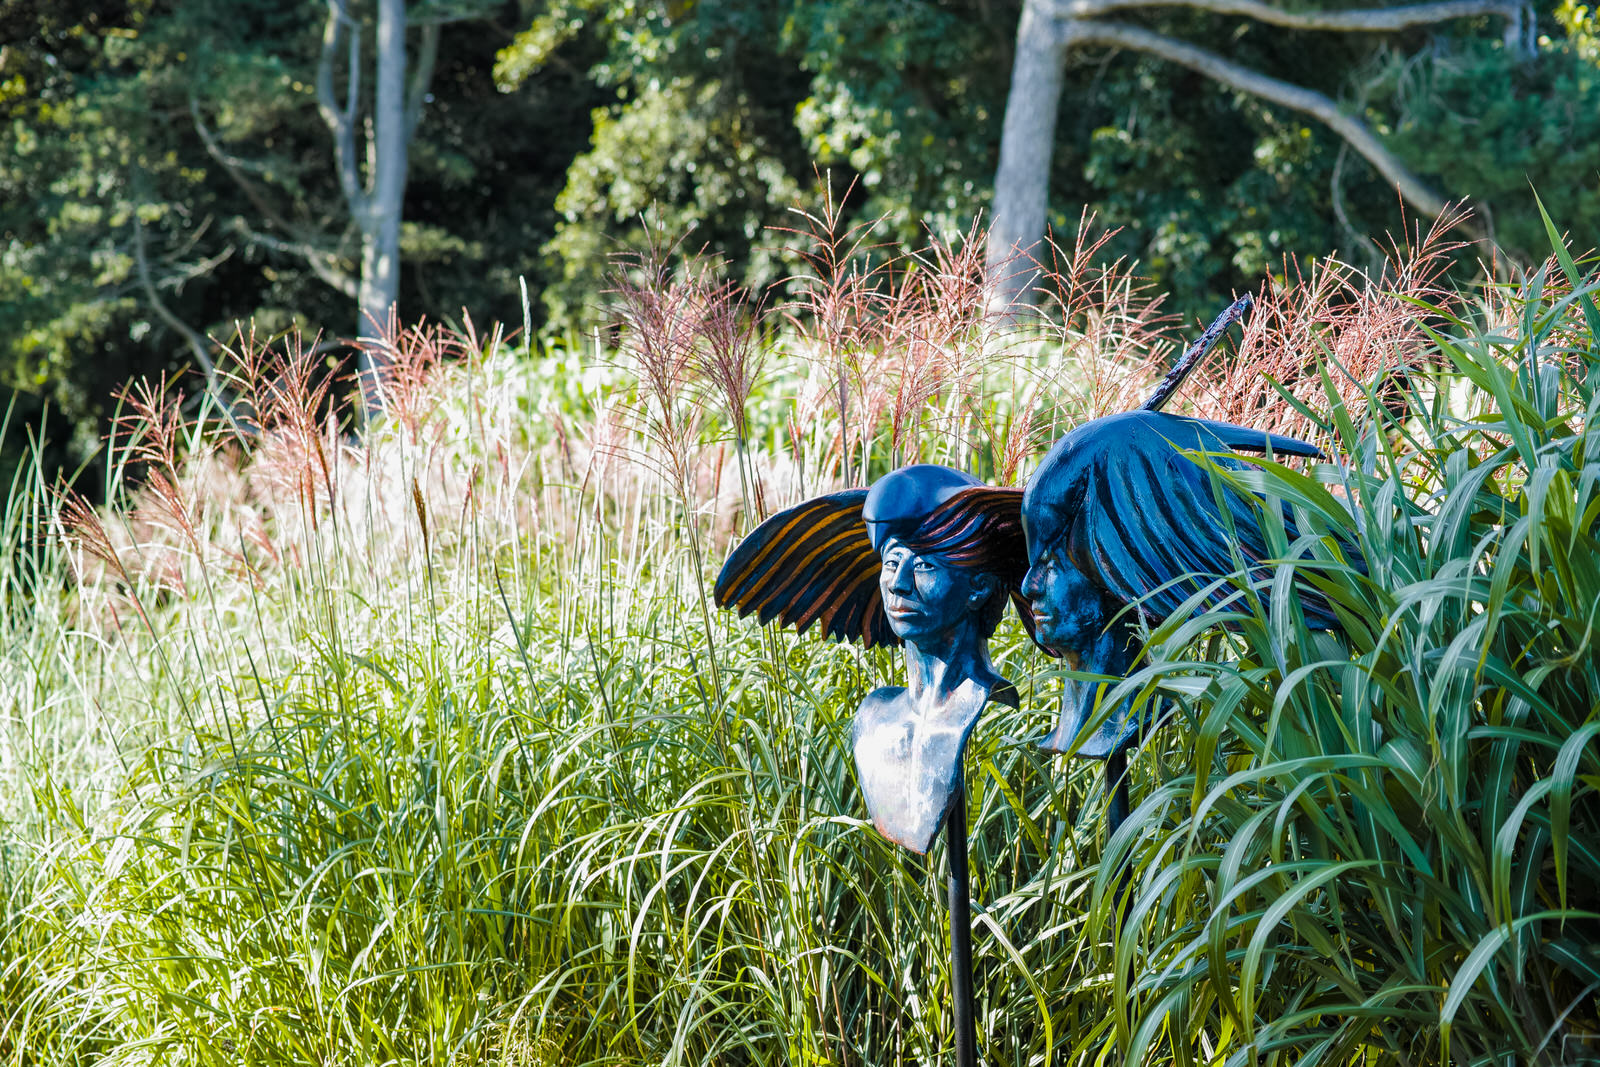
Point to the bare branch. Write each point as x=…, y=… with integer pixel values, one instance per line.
x=1336, y=196
x=1413, y=189
x=195, y=341
x=421, y=77
x=214, y=147
x=198, y=269
x=352, y=87
x=1358, y=20
x=322, y=262
x=332, y=31
x=341, y=121
x=235, y=168
x=1048, y=30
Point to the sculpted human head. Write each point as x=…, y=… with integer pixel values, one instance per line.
x=926, y=558
x=1067, y=607
x=820, y=562
x=1127, y=526
x=944, y=560
x=925, y=595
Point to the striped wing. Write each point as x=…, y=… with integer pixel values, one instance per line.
x=1245, y=439
x=811, y=564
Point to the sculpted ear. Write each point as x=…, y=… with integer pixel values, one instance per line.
x=984, y=587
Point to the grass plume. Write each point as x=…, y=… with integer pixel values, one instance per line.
x=423, y=747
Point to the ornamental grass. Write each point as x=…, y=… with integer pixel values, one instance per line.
x=426, y=747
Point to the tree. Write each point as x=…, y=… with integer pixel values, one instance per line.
x=434, y=166
x=166, y=174
x=103, y=222
x=376, y=198
x=1048, y=30
x=372, y=136
x=720, y=113
x=1496, y=126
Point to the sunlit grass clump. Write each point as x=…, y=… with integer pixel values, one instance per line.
x=427, y=746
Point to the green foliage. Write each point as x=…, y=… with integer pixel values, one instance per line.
x=1213, y=187
x=726, y=110
x=555, y=127
x=698, y=135
x=687, y=157
x=1382, y=849
x=429, y=748
x=1495, y=125
x=1578, y=20
x=199, y=121
x=909, y=97
x=723, y=110
x=67, y=308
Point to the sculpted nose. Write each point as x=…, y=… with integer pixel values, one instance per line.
x=1030, y=583
x=901, y=581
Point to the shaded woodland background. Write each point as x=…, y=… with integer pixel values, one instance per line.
x=166, y=174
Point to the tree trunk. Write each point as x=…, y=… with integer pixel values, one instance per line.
x=376, y=194
x=1049, y=29
x=380, y=221
x=1022, y=184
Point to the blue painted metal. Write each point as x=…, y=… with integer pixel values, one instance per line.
x=927, y=558
x=1122, y=525
x=1118, y=525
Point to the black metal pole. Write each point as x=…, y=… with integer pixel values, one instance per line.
x=1117, y=786
x=1116, y=815
x=955, y=836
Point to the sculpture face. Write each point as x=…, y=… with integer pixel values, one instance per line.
x=909, y=740
x=1147, y=530
x=925, y=596
x=1067, y=609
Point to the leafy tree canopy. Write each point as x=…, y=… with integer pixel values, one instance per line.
x=185, y=134
x=166, y=173
x=721, y=109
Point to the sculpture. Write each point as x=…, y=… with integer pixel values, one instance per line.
x=1117, y=525
x=1123, y=526
x=927, y=557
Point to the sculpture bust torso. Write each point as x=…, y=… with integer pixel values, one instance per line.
x=909, y=740
x=908, y=752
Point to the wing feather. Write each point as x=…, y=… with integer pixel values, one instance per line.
x=807, y=565
x=787, y=547
x=799, y=588
x=1244, y=439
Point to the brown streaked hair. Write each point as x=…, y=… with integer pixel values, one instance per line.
x=980, y=529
